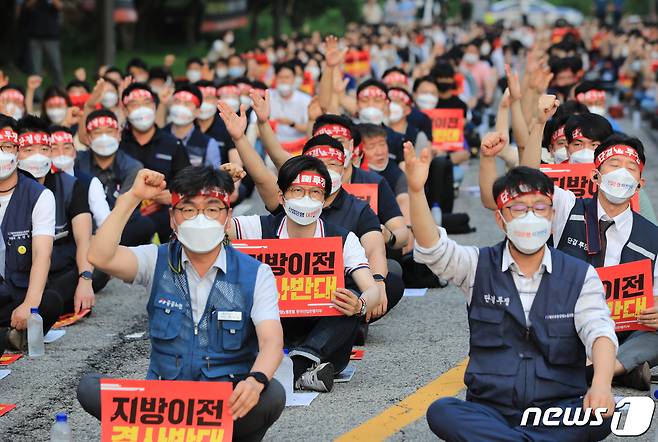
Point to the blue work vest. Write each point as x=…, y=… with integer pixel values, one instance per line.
x=513, y=366
x=197, y=147
x=581, y=237
x=17, y=230
x=223, y=344
x=64, y=248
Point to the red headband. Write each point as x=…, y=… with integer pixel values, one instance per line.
x=12, y=94
x=508, y=195
x=61, y=137
x=136, y=94
x=214, y=192
x=399, y=95
x=31, y=138
x=334, y=130
x=618, y=149
x=559, y=133
x=577, y=134
x=56, y=101
x=591, y=95
x=103, y=121
x=308, y=178
x=372, y=91
x=8, y=135
x=208, y=90
x=187, y=96
x=326, y=152
x=395, y=78
x=228, y=90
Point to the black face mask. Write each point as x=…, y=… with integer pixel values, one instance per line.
x=445, y=87
x=564, y=90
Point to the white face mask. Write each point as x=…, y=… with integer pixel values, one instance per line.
x=583, y=156
x=14, y=111
x=336, y=181
x=427, y=101
x=193, y=75
x=396, y=113
x=109, y=99
x=246, y=100
x=618, y=186
x=56, y=114
x=285, y=89
x=560, y=155
x=38, y=165
x=104, y=145
x=156, y=89
x=63, y=162
x=221, y=72
x=7, y=164
x=372, y=115
x=233, y=103
x=528, y=233
x=371, y=166
x=142, y=118
x=207, y=111
x=598, y=110
x=181, y=115
x=303, y=211
x=200, y=234
x=298, y=82
x=314, y=71
x=471, y=58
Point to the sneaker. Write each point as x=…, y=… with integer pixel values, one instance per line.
x=318, y=378
x=17, y=340
x=638, y=378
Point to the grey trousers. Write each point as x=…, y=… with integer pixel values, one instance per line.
x=251, y=428
x=639, y=347
x=50, y=47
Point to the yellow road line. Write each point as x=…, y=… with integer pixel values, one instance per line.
x=410, y=409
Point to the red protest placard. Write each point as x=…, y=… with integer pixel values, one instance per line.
x=576, y=178
x=357, y=355
x=628, y=291
x=357, y=63
x=6, y=408
x=364, y=191
x=71, y=318
x=140, y=410
x=295, y=147
x=307, y=272
x=8, y=358
x=447, y=129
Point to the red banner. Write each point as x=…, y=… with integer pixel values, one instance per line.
x=364, y=191
x=576, y=178
x=6, y=408
x=447, y=129
x=357, y=63
x=295, y=147
x=71, y=318
x=140, y=410
x=628, y=291
x=307, y=272
x=8, y=358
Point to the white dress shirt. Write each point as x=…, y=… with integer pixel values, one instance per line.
x=458, y=264
x=293, y=108
x=266, y=297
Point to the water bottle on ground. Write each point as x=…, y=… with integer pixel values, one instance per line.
x=284, y=374
x=61, y=430
x=437, y=214
x=35, y=345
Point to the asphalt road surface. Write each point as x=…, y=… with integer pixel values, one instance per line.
x=421, y=340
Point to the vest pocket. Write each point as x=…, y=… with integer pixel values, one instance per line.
x=232, y=334
x=486, y=326
x=165, y=366
x=563, y=343
x=165, y=323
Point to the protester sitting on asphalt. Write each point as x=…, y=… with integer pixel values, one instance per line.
x=223, y=285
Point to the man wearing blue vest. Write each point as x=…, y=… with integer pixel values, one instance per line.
x=27, y=225
x=213, y=311
x=319, y=347
x=535, y=315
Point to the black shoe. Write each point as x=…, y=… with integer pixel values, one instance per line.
x=638, y=378
x=318, y=378
x=3, y=339
x=361, y=334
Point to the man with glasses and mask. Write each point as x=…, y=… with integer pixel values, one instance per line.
x=535, y=315
x=213, y=311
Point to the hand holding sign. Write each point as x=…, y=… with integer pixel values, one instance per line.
x=493, y=143
x=649, y=317
x=346, y=302
x=547, y=105
x=148, y=185
x=416, y=167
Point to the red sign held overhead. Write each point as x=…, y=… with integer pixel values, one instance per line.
x=141, y=410
x=447, y=129
x=364, y=191
x=307, y=272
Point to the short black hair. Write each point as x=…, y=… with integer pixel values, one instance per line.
x=285, y=65
x=101, y=113
x=442, y=69
x=570, y=108
x=593, y=126
x=291, y=168
x=192, y=89
x=425, y=79
x=7, y=121
x=136, y=62
x=394, y=69
x=522, y=179
x=193, y=179
x=327, y=119
x=369, y=130
x=158, y=73
x=632, y=142
x=557, y=65
x=256, y=84
x=32, y=123
x=112, y=69
x=587, y=85
x=57, y=128
x=132, y=86
x=14, y=87
x=204, y=83
x=191, y=60
x=322, y=140
x=372, y=82
x=78, y=83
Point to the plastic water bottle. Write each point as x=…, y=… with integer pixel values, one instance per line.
x=437, y=214
x=284, y=373
x=35, y=345
x=61, y=430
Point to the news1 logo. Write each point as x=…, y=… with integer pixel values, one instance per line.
x=638, y=417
